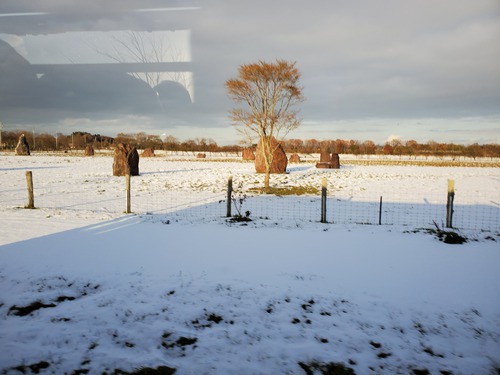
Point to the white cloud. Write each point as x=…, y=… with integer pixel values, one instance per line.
x=393, y=137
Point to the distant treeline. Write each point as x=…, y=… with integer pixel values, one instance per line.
x=79, y=140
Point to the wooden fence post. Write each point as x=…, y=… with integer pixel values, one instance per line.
x=127, y=182
x=31, y=197
x=229, y=196
x=323, y=200
x=449, y=204
x=380, y=212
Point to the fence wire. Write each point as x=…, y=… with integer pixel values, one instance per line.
x=99, y=194
x=373, y=212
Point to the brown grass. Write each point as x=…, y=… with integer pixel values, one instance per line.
x=423, y=163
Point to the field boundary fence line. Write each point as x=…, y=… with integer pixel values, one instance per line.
x=368, y=208
x=346, y=210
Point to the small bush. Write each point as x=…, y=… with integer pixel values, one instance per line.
x=238, y=201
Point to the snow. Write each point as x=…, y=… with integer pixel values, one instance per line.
x=166, y=287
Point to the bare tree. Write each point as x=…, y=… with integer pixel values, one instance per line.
x=148, y=48
x=268, y=92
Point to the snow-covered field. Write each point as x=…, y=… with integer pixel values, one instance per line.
x=87, y=289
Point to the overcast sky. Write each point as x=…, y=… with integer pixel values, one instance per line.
x=423, y=70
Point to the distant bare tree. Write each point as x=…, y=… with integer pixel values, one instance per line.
x=311, y=146
x=369, y=147
x=170, y=143
x=294, y=145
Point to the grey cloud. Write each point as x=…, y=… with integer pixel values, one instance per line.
x=385, y=59
x=379, y=57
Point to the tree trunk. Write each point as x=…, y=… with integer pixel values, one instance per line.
x=267, y=177
x=268, y=158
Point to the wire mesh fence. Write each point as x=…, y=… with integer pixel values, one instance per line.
x=385, y=211
x=100, y=194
